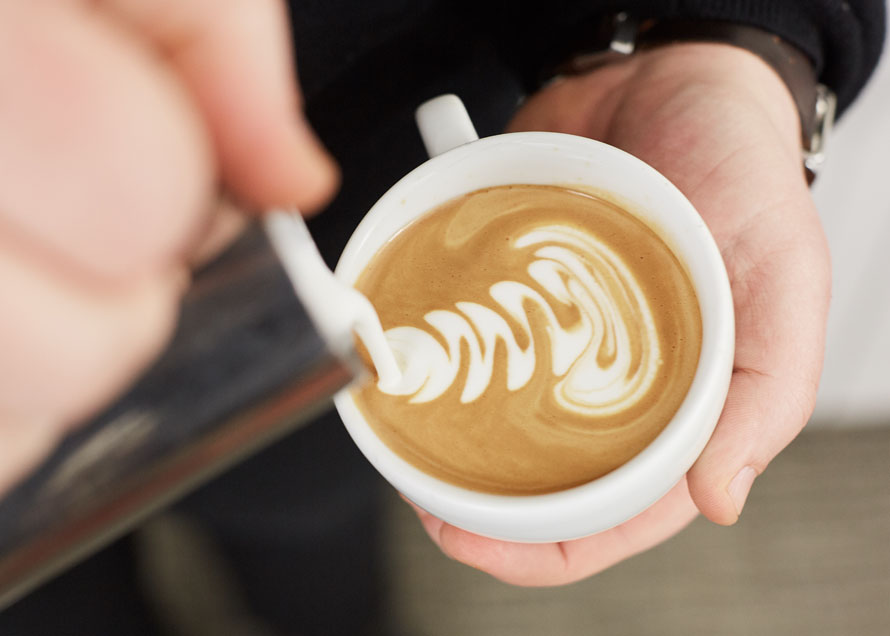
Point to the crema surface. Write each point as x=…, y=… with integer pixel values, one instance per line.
x=546, y=336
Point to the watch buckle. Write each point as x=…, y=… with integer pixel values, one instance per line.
x=825, y=108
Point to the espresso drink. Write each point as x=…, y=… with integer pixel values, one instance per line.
x=546, y=337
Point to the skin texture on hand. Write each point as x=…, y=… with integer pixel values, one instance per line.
x=121, y=124
x=720, y=124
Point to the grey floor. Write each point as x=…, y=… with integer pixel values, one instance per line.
x=811, y=555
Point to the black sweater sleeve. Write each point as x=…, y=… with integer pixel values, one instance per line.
x=842, y=38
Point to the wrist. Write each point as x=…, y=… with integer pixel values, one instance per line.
x=626, y=36
x=685, y=83
x=734, y=76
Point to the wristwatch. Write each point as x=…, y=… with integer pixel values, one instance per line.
x=816, y=103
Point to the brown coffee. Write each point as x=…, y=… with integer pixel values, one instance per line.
x=547, y=336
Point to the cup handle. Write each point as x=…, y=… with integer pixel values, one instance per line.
x=444, y=124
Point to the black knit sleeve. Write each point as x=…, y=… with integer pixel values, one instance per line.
x=842, y=38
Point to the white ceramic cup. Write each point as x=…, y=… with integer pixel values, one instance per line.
x=462, y=163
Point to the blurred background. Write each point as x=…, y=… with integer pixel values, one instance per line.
x=853, y=196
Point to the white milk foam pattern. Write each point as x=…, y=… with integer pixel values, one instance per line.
x=576, y=269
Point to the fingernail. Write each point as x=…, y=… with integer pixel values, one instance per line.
x=740, y=486
x=317, y=172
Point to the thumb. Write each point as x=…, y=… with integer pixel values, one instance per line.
x=235, y=57
x=781, y=311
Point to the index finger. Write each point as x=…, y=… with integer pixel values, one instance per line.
x=548, y=564
x=235, y=56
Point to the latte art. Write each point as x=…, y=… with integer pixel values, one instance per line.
x=546, y=336
x=607, y=359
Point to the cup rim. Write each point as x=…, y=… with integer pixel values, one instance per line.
x=675, y=448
